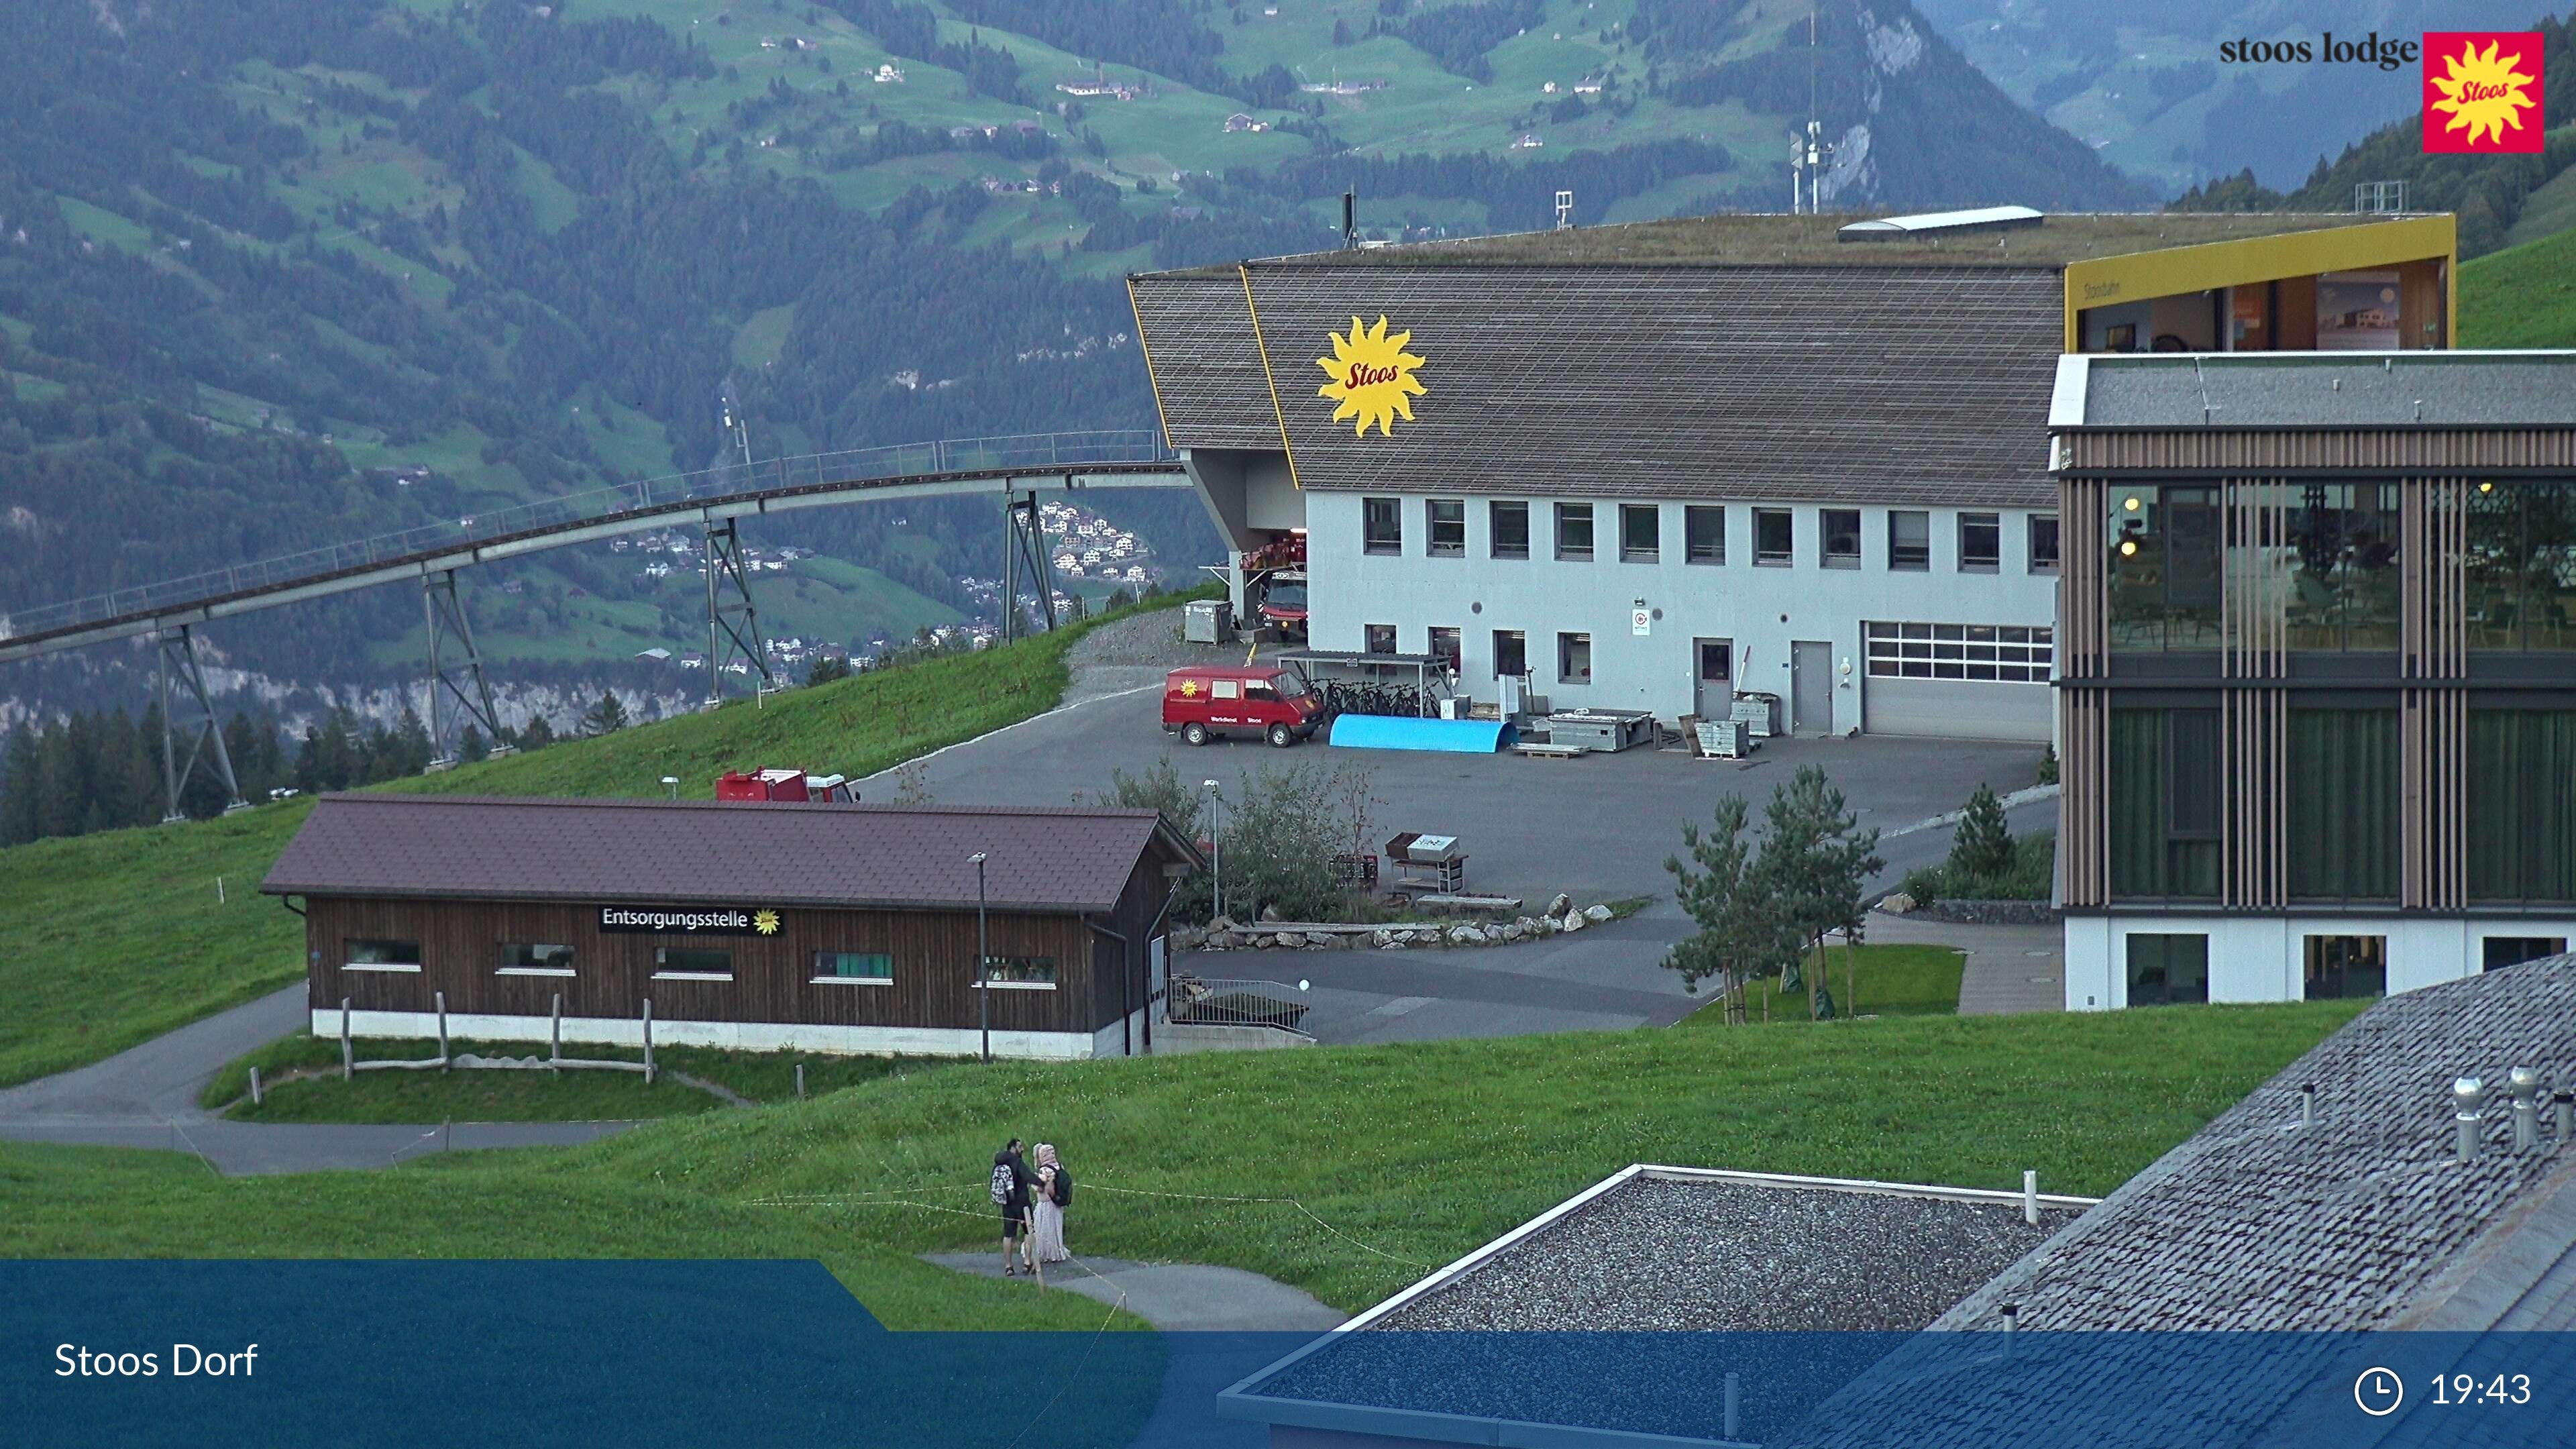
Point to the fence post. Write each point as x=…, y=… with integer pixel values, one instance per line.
x=347, y=1058
x=554, y=1052
x=254, y=1086
x=800, y=1080
x=442, y=1029
x=648, y=1041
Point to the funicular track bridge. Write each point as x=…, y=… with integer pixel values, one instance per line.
x=1014, y=470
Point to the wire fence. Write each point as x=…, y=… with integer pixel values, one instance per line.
x=1032, y=451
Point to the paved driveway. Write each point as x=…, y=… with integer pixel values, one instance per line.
x=1598, y=828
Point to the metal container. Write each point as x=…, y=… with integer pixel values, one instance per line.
x=1207, y=621
x=1725, y=739
x=1760, y=713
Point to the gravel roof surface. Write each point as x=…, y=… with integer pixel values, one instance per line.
x=1658, y=1255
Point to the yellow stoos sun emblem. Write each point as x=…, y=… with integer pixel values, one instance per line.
x=2483, y=93
x=1371, y=377
x=765, y=922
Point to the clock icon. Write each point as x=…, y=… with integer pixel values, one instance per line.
x=2378, y=1391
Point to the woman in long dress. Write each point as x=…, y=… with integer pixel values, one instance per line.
x=1046, y=1227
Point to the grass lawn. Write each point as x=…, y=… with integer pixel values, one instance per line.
x=519, y=1096
x=1376, y=1142
x=2522, y=296
x=112, y=939
x=1887, y=980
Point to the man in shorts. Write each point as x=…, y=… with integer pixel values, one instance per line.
x=1012, y=1195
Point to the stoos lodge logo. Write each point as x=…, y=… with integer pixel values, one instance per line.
x=2482, y=92
x=1371, y=377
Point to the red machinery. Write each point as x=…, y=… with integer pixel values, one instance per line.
x=794, y=786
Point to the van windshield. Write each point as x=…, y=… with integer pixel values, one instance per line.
x=1285, y=596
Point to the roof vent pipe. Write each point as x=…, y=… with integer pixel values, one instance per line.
x=2565, y=1103
x=2012, y=1323
x=2308, y=1105
x=2030, y=1197
x=2467, y=1095
x=2526, y=1108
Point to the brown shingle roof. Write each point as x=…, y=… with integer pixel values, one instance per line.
x=494, y=848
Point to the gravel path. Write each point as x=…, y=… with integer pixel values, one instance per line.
x=1136, y=652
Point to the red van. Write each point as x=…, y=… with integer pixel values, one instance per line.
x=1204, y=701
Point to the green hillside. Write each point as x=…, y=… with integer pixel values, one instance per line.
x=2522, y=296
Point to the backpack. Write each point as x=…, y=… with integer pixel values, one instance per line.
x=1002, y=1182
x=1062, y=1194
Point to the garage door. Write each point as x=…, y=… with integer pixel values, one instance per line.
x=1958, y=681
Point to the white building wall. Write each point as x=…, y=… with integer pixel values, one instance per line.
x=1763, y=608
x=2262, y=958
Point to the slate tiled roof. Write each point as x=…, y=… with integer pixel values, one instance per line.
x=502, y=848
x=1205, y=367
x=2257, y=1222
x=1866, y=385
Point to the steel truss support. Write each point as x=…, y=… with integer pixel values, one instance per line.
x=1026, y=561
x=731, y=620
x=179, y=656
x=446, y=612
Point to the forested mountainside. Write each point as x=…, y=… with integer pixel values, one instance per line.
x=2501, y=200
x=2145, y=84
x=280, y=272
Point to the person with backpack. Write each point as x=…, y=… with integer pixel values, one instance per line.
x=1011, y=1194
x=1054, y=1183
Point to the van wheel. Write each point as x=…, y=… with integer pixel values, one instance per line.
x=1281, y=737
x=1194, y=733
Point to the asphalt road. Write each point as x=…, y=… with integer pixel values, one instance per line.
x=1598, y=828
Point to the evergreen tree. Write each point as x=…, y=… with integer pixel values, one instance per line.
x=1983, y=847
x=18, y=788
x=605, y=717
x=470, y=746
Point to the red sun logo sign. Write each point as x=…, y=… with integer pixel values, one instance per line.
x=2482, y=91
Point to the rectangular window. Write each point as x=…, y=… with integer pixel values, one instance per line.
x=1225, y=689
x=1909, y=539
x=2043, y=543
x=1704, y=533
x=2006, y=653
x=1841, y=528
x=1445, y=647
x=1511, y=652
x=1448, y=518
x=362, y=954
x=2191, y=764
x=1510, y=523
x=1773, y=537
x=2346, y=966
x=1574, y=532
x=2344, y=781
x=2522, y=798
x=2148, y=860
x=2163, y=568
x=1020, y=973
x=1641, y=531
x=858, y=968
x=691, y=963
x=530, y=958
x=1981, y=543
x=2522, y=565
x=2168, y=969
x=1381, y=525
x=1380, y=638
x=1574, y=658
x=2495, y=953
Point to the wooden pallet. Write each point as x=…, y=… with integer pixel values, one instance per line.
x=1552, y=752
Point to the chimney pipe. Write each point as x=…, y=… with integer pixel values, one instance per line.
x=1734, y=1399
x=2308, y=1105
x=2030, y=1197
x=2012, y=1324
x=2468, y=1094
x=2565, y=1103
x=2526, y=1108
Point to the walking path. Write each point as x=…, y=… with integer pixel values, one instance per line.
x=2010, y=968
x=146, y=1096
x=1174, y=1297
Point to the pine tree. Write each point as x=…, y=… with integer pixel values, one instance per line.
x=1983, y=848
x=18, y=788
x=606, y=717
x=470, y=747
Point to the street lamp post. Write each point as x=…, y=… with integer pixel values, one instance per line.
x=1216, y=847
x=983, y=961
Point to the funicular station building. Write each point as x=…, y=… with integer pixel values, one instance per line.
x=1648, y=466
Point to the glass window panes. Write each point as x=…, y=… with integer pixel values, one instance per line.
x=1380, y=638
x=1448, y=517
x=380, y=952
x=1020, y=970
x=2343, y=966
x=1772, y=536
x=1909, y=539
x=1841, y=528
x=2006, y=653
x=1511, y=652
x=1225, y=689
x=2167, y=968
x=535, y=956
x=1511, y=529
x=2496, y=953
x=1444, y=646
x=1981, y=542
x=1574, y=658
x=1382, y=525
x=1704, y=533
x=854, y=965
x=2163, y=569
x=694, y=960
x=2043, y=543
x=2521, y=564
x=1640, y=532
x=1574, y=531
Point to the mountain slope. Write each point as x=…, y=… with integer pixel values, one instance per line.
x=2523, y=296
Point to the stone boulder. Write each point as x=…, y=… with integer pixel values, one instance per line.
x=1382, y=937
x=1220, y=925
x=1319, y=938
x=1898, y=904
x=1395, y=943
x=1270, y=913
x=1466, y=936
x=1560, y=904
x=1573, y=921
x=1596, y=914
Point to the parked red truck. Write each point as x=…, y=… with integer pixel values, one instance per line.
x=794, y=786
x=1268, y=700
